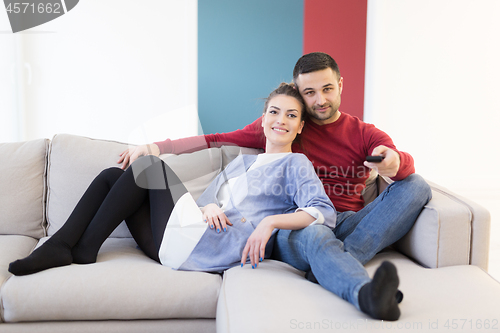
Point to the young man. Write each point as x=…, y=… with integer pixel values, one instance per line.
x=337, y=145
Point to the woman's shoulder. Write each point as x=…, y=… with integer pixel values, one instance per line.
x=240, y=161
x=299, y=158
x=298, y=162
x=291, y=158
x=244, y=158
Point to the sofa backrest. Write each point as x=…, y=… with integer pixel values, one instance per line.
x=74, y=161
x=22, y=188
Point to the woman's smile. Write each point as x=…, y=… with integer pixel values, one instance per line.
x=280, y=130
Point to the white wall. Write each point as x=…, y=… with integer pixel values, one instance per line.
x=8, y=82
x=432, y=84
x=114, y=69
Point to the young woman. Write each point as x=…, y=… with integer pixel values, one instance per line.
x=233, y=223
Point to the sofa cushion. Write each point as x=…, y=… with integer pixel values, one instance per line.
x=114, y=326
x=74, y=161
x=22, y=188
x=277, y=298
x=196, y=170
x=124, y=284
x=480, y=221
x=12, y=247
x=441, y=235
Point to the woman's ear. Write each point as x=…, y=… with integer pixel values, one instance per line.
x=300, y=127
x=262, y=120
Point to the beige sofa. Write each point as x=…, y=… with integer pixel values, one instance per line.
x=442, y=262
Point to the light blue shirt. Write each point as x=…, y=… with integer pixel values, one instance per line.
x=279, y=187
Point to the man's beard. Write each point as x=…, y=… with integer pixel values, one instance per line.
x=324, y=116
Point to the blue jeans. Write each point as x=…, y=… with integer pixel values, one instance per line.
x=336, y=258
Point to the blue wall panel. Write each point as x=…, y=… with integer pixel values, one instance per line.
x=245, y=49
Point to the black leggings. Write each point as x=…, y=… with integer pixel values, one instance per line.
x=143, y=195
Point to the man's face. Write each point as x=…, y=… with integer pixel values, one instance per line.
x=321, y=92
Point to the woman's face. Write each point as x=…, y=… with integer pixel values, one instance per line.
x=282, y=123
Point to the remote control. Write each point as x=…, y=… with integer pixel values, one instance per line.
x=375, y=159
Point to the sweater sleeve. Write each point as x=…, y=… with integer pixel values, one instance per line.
x=314, y=212
x=376, y=137
x=251, y=136
x=406, y=168
x=311, y=194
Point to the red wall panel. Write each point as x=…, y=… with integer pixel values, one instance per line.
x=338, y=27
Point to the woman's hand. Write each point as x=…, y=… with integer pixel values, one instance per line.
x=215, y=217
x=133, y=153
x=256, y=243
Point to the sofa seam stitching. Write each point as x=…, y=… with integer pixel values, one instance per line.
x=471, y=218
x=46, y=186
x=223, y=290
x=49, y=160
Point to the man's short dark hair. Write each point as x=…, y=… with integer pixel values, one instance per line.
x=313, y=62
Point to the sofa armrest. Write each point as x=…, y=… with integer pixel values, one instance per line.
x=450, y=230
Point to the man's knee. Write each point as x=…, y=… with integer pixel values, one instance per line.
x=309, y=234
x=315, y=230
x=316, y=236
x=417, y=185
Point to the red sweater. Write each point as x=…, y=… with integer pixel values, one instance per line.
x=336, y=150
